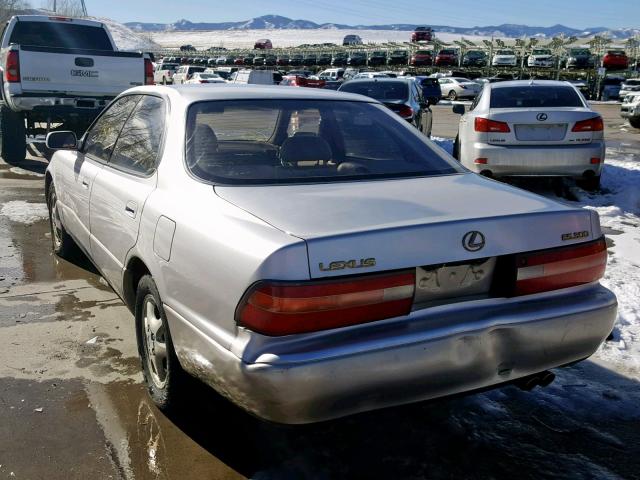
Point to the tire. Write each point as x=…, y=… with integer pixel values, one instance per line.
x=590, y=184
x=163, y=375
x=452, y=95
x=61, y=242
x=434, y=100
x=13, y=133
x=635, y=122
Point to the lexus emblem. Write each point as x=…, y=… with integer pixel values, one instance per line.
x=542, y=117
x=473, y=241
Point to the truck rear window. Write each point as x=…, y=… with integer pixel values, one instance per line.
x=60, y=35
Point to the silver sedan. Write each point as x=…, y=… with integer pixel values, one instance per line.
x=541, y=128
x=310, y=255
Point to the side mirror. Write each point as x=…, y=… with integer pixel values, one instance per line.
x=62, y=140
x=458, y=109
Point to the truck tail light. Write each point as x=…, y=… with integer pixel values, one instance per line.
x=490, y=126
x=12, y=67
x=148, y=72
x=560, y=268
x=281, y=308
x=594, y=124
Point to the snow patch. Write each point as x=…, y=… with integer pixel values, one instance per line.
x=618, y=205
x=23, y=212
x=22, y=171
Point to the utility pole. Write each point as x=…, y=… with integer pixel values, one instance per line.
x=55, y=5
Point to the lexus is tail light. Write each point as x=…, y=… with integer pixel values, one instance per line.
x=560, y=268
x=283, y=308
x=490, y=126
x=594, y=124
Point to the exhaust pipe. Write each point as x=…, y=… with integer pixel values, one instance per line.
x=543, y=379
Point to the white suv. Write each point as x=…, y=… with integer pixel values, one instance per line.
x=631, y=109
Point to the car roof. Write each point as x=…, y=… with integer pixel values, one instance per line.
x=379, y=80
x=532, y=83
x=199, y=93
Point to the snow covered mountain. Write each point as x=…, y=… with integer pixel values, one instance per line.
x=277, y=22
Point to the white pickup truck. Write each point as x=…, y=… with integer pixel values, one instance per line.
x=59, y=72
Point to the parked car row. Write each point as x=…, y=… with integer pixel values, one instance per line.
x=539, y=58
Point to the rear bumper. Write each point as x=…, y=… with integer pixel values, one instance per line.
x=57, y=102
x=433, y=353
x=553, y=160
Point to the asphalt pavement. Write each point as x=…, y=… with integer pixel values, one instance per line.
x=72, y=405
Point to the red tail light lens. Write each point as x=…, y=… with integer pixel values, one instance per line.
x=148, y=72
x=284, y=309
x=490, y=126
x=561, y=268
x=594, y=124
x=12, y=67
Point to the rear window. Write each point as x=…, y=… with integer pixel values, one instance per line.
x=60, y=35
x=632, y=82
x=534, y=97
x=291, y=141
x=382, y=91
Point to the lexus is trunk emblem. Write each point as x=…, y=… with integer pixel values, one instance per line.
x=473, y=241
x=542, y=117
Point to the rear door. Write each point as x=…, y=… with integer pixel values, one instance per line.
x=123, y=185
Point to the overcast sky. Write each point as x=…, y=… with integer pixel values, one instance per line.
x=462, y=13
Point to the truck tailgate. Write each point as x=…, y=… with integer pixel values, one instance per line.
x=79, y=72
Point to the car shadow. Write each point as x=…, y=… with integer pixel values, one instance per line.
x=585, y=425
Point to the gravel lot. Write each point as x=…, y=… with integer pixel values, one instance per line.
x=72, y=405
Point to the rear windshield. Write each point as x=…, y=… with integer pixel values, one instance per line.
x=291, y=141
x=447, y=52
x=505, y=52
x=60, y=35
x=632, y=82
x=534, y=97
x=382, y=91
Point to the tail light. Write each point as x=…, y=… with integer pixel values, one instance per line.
x=12, y=67
x=560, y=268
x=148, y=72
x=276, y=308
x=490, y=126
x=405, y=111
x=594, y=124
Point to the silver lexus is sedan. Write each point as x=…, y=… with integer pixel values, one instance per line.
x=527, y=127
x=310, y=255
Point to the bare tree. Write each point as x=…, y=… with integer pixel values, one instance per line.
x=11, y=7
x=71, y=8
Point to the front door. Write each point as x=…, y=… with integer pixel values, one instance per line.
x=83, y=166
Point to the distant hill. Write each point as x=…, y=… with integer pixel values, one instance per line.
x=277, y=22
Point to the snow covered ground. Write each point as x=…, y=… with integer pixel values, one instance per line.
x=286, y=38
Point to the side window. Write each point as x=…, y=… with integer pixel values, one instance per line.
x=476, y=100
x=141, y=138
x=102, y=137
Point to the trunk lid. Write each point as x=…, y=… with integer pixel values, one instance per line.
x=541, y=126
x=410, y=222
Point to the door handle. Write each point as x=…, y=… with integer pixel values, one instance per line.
x=131, y=208
x=85, y=183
